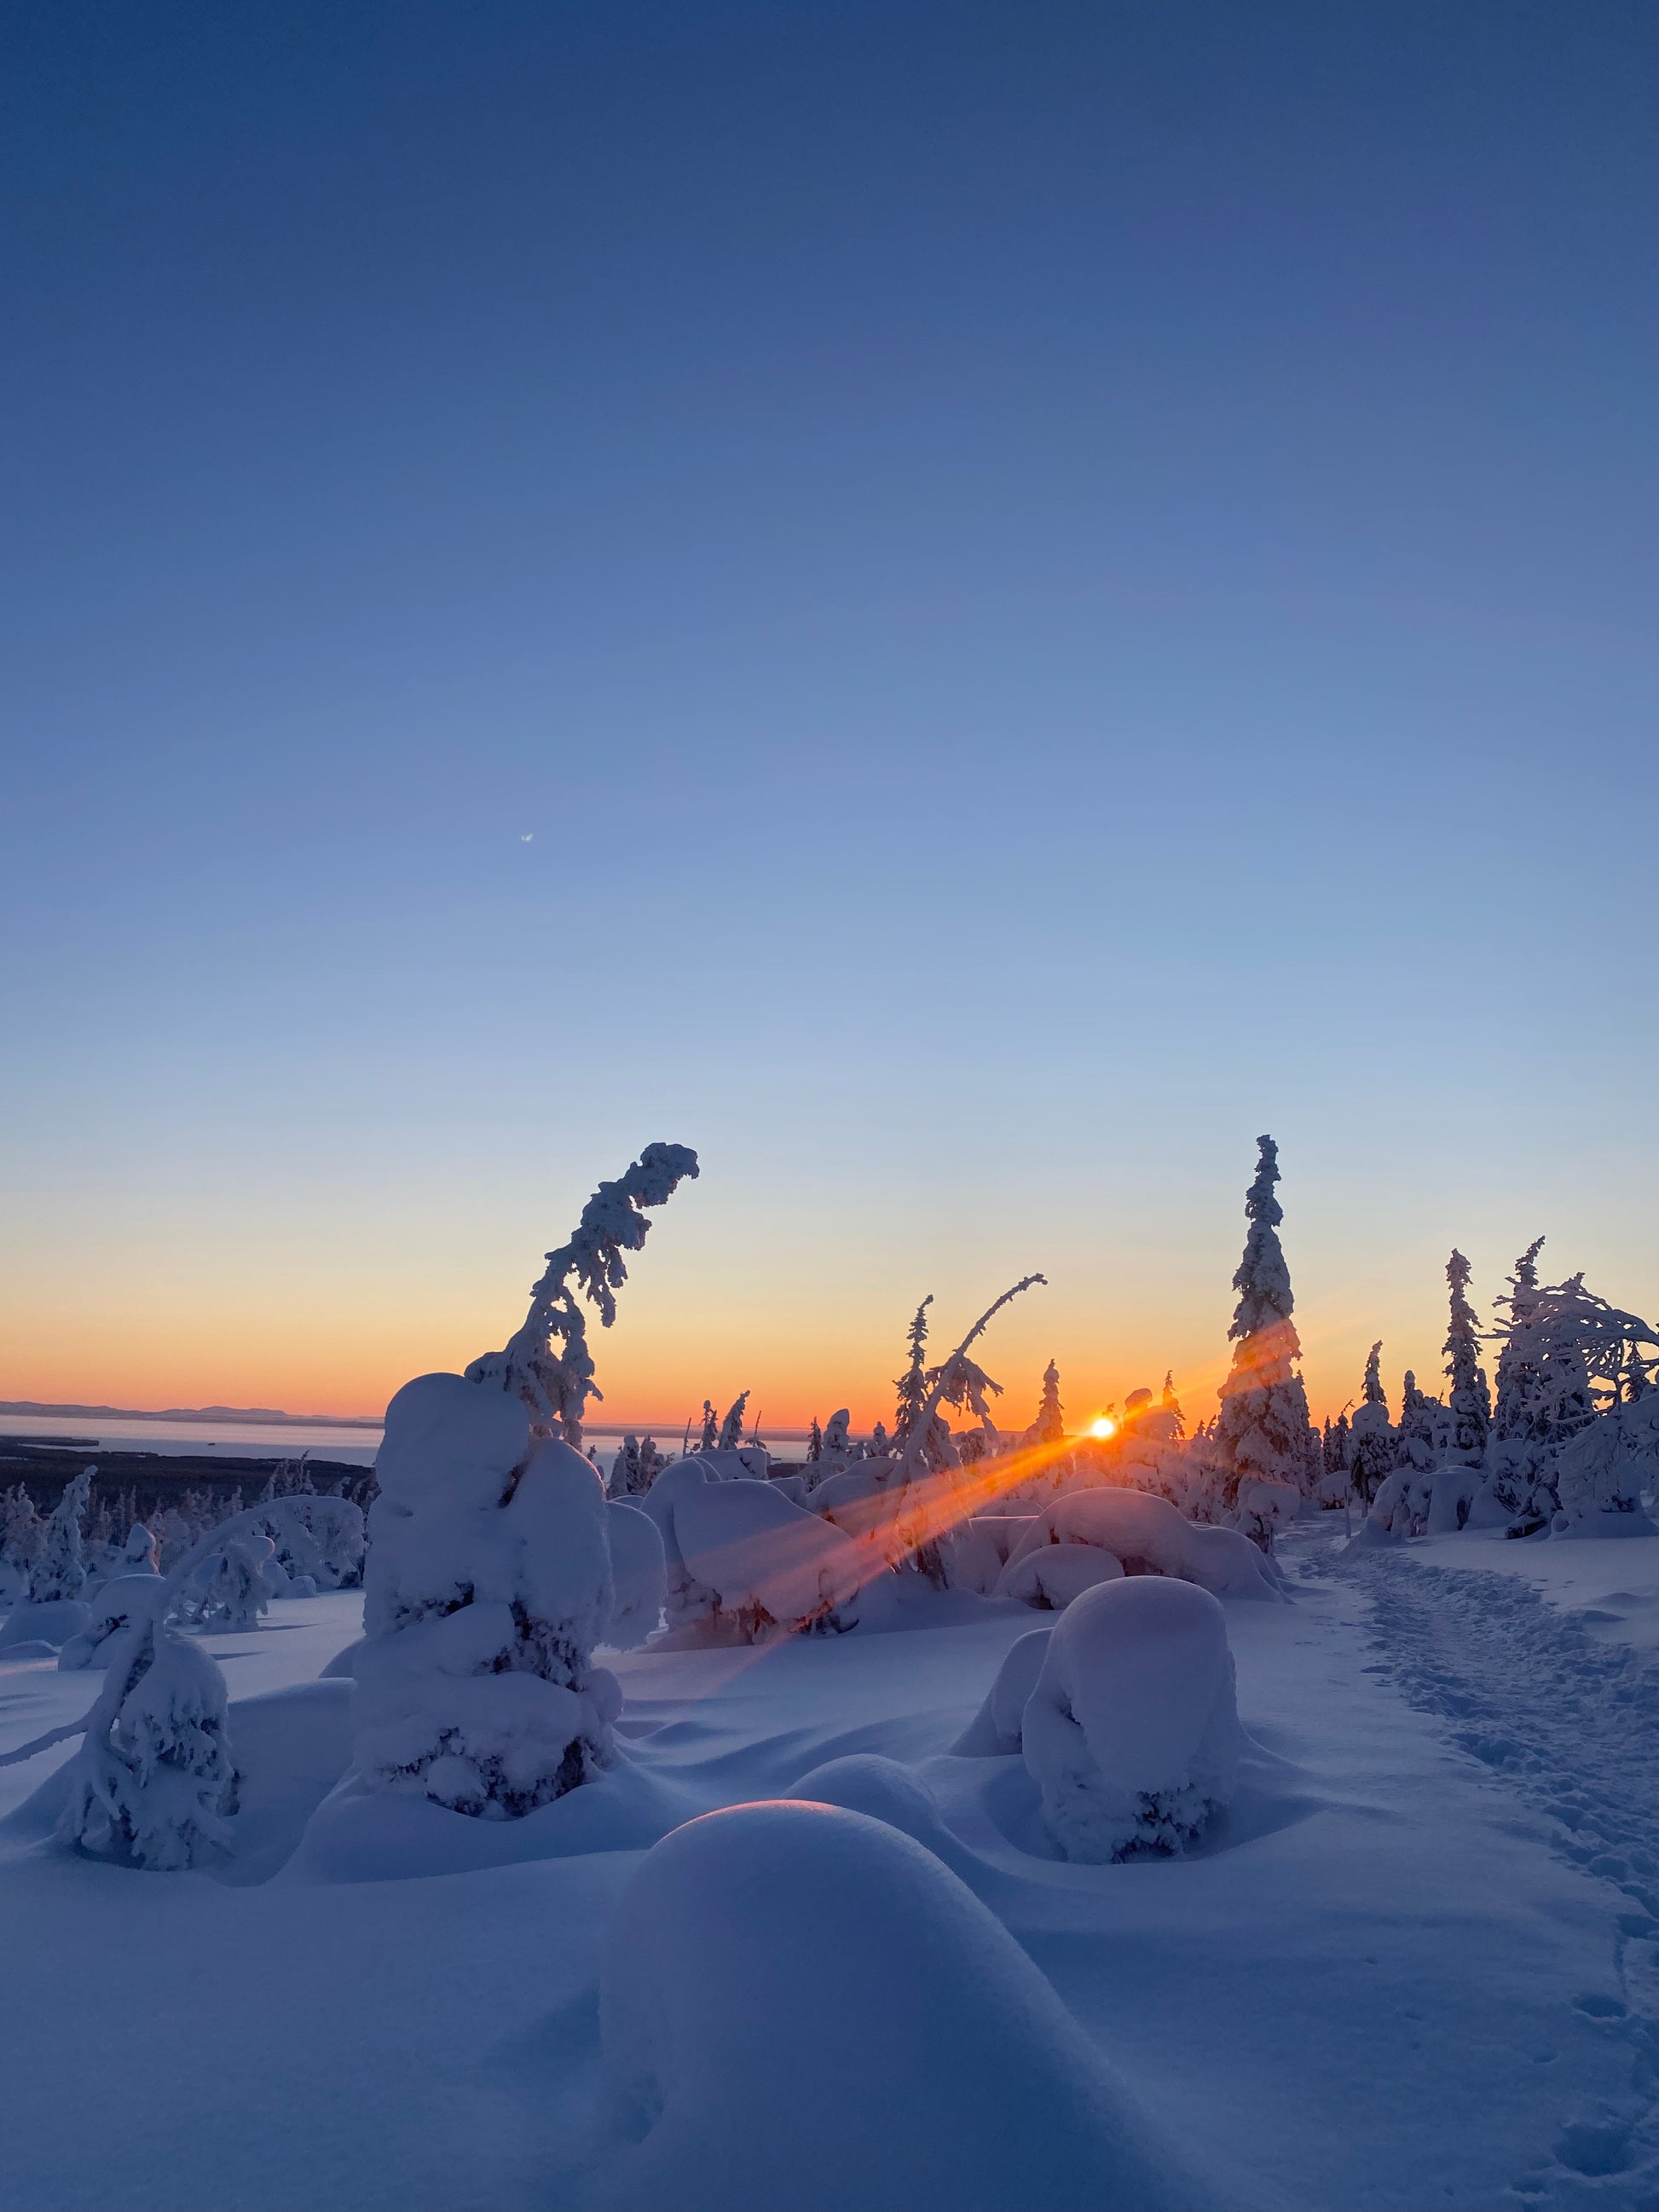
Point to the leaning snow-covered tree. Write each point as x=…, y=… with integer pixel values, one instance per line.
x=1469, y=1404
x=488, y=1582
x=1565, y=1363
x=921, y=1519
x=1264, y=1433
x=547, y=1364
x=58, y=1569
x=731, y=1435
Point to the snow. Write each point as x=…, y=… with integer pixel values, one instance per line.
x=1415, y=1962
x=800, y=1911
x=1131, y=1729
x=1145, y=1535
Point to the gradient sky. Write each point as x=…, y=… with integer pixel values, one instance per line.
x=1052, y=586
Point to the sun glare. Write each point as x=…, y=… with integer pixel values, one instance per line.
x=1105, y=1426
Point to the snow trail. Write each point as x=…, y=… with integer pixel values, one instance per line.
x=1572, y=1725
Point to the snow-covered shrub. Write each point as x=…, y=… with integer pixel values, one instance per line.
x=1130, y=1731
x=743, y=1562
x=58, y=1569
x=943, y=2071
x=234, y=1588
x=639, y=1575
x=1264, y=1431
x=152, y=1782
x=319, y=1538
x=1147, y=1536
x=489, y=1585
x=996, y=1727
x=1600, y=1474
x=124, y=1600
x=139, y=1554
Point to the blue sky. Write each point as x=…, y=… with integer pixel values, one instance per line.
x=1051, y=588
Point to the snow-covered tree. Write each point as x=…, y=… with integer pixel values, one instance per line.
x=814, y=1441
x=154, y=1781
x=625, y=1470
x=236, y=1591
x=912, y=1385
x=652, y=1462
x=1264, y=1433
x=1049, y=1426
x=1172, y=1407
x=1566, y=1362
x=58, y=1569
x=879, y=1441
x=731, y=1435
x=547, y=1364
x=490, y=1579
x=1417, y=1424
x=22, y=1531
x=1374, y=1442
x=711, y=1426
x=1469, y=1401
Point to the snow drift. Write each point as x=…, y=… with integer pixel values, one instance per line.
x=944, y=2074
x=742, y=1559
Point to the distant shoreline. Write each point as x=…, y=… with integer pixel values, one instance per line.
x=261, y=1416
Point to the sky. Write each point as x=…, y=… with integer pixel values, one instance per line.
x=960, y=606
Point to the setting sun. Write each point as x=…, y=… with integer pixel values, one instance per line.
x=1105, y=1426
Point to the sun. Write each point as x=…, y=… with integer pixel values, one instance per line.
x=1105, y=1426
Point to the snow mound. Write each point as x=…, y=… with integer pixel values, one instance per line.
x=117, y=1605
x=1051, y=1574
x=742, y=1559
x=997, y=1728
x=945, y=2075
x=638, y=1574
x=449, y=1442
x=50, y=1622
x=1131, y=1732
x=1146, y=1537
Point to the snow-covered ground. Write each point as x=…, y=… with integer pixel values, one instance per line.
x=1417, y=1965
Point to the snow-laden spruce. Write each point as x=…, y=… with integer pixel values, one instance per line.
x=58, y=1571
x=1469, y=1403
x=490, y=1578
x=935, y=2071
x=1264, y=1431
x=743, y=1561
x=1130, y=1731
x=153, y=1781
x=1373, y=1439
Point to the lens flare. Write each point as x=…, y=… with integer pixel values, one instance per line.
x=1105, y=1426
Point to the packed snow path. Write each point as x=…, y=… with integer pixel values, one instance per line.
x=1572, y=1725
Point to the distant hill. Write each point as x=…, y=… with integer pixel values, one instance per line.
x=268, y=1414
